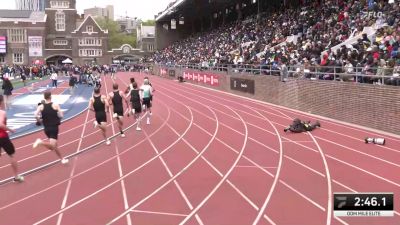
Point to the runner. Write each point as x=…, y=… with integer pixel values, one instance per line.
x=136, y=106
x=113, y=71
x=5, y=142
x=151, y=97
x=49, y=114
x=146, y=91
x=98, y=103
x=8, y=88
x=115, y=101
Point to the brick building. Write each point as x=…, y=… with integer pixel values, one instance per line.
x=52, y=36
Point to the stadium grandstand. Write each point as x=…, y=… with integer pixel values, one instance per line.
x=329, y=40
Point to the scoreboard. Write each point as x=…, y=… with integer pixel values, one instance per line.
x=363, y=204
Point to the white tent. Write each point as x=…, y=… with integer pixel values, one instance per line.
x=67, y=61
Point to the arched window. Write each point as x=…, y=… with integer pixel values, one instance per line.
x=60, y=21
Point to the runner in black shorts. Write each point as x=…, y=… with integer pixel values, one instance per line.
x=136, y=105
x=115, y=100
x=98, y=103
x=49, y=114
x=5, y=142
x=147, y=91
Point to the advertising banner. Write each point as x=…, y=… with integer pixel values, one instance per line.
x=3, y=44
x=35, y=46
x=243, y=85
x=201, y=77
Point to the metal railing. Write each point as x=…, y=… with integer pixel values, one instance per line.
x=380, y=75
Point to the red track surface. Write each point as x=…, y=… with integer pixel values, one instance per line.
x=207, y=158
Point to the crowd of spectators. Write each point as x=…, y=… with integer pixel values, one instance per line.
x=259, y=42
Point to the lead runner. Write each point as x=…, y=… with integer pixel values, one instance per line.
x=115, y=99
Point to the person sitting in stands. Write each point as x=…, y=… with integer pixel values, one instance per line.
x=299, y=126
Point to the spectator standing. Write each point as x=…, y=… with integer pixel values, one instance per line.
x=54, y=79
x=8, y=88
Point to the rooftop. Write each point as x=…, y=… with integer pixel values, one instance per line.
x=22, y=16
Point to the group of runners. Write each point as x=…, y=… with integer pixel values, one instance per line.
x=49, y=115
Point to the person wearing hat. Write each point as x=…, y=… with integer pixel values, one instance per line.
x=299, y=126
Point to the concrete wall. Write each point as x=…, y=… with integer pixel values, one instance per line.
x=362, y=104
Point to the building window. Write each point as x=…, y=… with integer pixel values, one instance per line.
x=59, y=4
x=150, y=48
x=60, y=42
x=60, y=21
x=90, y=52
x=89, y=29
x=17, y=36
x=2, y=60
x=18, y=58
x=90, y=42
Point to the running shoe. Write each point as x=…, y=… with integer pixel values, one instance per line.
x=37, y=143
x=95, y=124
x=122, y=134
x=19, y=178
x=138, y=128
x=115, y=115
x=64, y=161
x=108, y=142
x=148, y=121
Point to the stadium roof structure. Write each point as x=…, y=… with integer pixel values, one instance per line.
x=22, y=16
x=188, y=7
x=170, y=9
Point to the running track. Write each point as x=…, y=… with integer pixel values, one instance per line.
x=207, y=158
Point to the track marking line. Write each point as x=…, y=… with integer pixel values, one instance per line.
x=306, y=147
x=364, y=129
x=120, y=173
x=269, y=167
x=231, y=148
x=215, y=169
x=397, y=213
x=170, y=180
x=184, y=196
x=302, y=195
x=359, y=152
x=92, y=168
x=158, y=213
x=219, y=173
x=224, y=178
x=365, y=171
x=277, y=173
x=64, y=202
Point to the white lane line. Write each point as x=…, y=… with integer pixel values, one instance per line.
x=224, y=178
x=104, y=188
x=88, y=170
x=229, y=147
x=170, y=180
x=365, y=171
x=215, y=169
x=269, y=220
x=158, y=213
x=268, y=105
x=277, y=174
x=189, y=204
x=359, y=152
x=306, y=147
x=120, y=173
x=64, y=202
x=305, y=166
x=265, y=167
x=302, y=195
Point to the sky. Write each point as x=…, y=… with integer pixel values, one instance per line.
x=143, y=9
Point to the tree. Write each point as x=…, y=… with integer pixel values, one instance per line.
x=149, y=23
x=116, y=37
